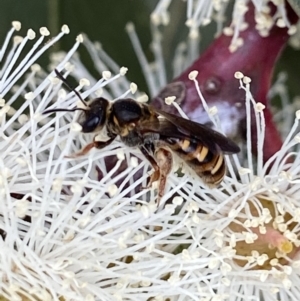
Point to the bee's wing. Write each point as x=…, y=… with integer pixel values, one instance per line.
x=178, y=127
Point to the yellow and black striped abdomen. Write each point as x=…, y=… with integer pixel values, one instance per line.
x=208, y=166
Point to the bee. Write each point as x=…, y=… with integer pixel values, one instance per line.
x=158, y=135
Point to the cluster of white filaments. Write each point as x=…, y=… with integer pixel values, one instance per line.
x=82, y=229
x=203, y=12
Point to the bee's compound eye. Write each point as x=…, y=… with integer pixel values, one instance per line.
x=95, y=117
x=90, y=124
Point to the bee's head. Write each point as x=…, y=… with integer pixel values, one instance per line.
x=94, y=116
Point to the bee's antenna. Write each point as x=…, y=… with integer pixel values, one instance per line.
x=60, y=76
x=63, y=110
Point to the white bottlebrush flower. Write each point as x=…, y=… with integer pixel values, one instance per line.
x=75, y=229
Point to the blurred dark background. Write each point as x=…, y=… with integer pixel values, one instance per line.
x=105, y=21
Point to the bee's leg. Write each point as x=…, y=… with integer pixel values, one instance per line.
x=155, y=175
x=102, y=144
x=162, y=165
x=88, y=147
x=164, y=160
x=82, y=152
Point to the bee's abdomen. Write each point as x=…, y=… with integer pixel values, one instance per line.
x=208, y=166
